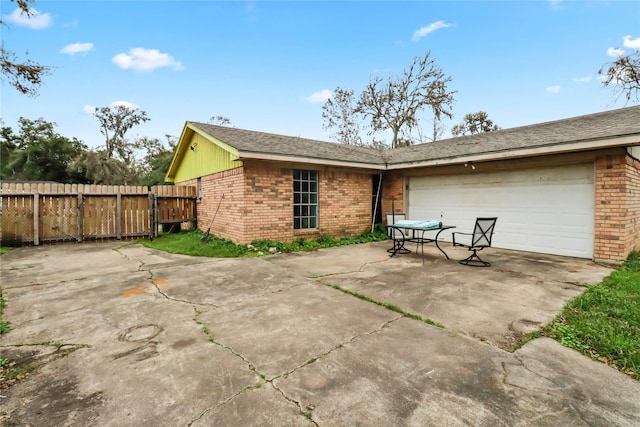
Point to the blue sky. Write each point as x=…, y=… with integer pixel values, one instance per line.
x=268, y=66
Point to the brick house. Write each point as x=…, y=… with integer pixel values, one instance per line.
x=568, y=187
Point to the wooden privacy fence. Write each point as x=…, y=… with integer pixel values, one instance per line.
x=34, y=213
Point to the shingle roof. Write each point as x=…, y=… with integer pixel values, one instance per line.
x=608, y=124
x=247, y=141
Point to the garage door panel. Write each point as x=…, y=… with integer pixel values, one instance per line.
x=550, y=210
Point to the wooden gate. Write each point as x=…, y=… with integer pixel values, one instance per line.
x=34, y=213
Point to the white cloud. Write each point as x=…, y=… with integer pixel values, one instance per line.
x=582, y=79
x=90, y=109
x=72, y=49
x=633, y=44
x=321, y=96
x=553, y=89
x=129, y=105
x=429, y=29
x=614, y=51
x=35, y=20
x=141, y=59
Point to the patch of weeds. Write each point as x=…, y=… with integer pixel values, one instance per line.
x=307, y=414
x=189, y=243
x=5, y=325
x=604, y=322
x=12, y=371
x=525, y=339
x=386, y=305
x=5, y=249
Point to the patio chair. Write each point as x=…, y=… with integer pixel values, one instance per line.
x=398, y=235
x=476, y=241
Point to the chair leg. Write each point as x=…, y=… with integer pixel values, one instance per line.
x=474, y=260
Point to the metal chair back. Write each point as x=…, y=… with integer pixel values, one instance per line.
x=483, y=232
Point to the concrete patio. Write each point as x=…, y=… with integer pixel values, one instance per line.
x=125, y=335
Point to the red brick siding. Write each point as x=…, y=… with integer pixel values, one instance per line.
x=230, y=184
x=344, y=204
x=633, y=203
x=617, y=210
x=258, y=204
x=393, y=190
x=268, y=208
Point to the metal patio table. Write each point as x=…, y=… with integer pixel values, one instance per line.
x=401, y=229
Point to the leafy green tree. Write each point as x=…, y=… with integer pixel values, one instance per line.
x=8, y=145
x=99, y=168
x=115, y=122
x=623, y=75
x=393, y=104
x=38, y=153
x=25, y=76
x=157, y=159
x=474, y=123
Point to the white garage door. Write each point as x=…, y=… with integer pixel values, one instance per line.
x=546, y=210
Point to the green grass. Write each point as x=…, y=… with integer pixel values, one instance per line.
x=5, y=249
x=189, y=243
x=5, y=326
x=604, y=322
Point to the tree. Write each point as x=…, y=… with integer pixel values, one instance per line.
x=26, y=76
x=157, y=159
x=393, y=104
x=339, y=113
x=115, y=122
x=474, y=123
x=98, y=168
x=623, y=75
x=38, y=153
x=219, y=121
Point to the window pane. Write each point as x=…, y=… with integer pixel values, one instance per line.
x=305, y=199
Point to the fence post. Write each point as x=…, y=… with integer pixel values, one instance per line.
x=80, y=218
x=119, y=215
x=36, y=218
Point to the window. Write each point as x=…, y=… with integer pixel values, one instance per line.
x=305, y=199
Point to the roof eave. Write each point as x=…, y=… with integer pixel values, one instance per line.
x=247, y=155
x=619, y=141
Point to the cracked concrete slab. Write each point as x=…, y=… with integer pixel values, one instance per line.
x=123, y=335
x=519, y=294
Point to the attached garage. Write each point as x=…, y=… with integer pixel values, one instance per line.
x=547, y=210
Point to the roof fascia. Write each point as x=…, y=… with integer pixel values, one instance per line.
x=624, y=141
x=178, y=153
x=309, y=160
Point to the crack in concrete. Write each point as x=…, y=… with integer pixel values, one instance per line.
x=270, y=381
x=359, y=270
x=308, y=414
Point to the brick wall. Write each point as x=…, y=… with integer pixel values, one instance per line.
x=393, y=190
x=258, y=204
x=230, y=185
x=633, y=203
x=617, y=210
x=345, y=204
